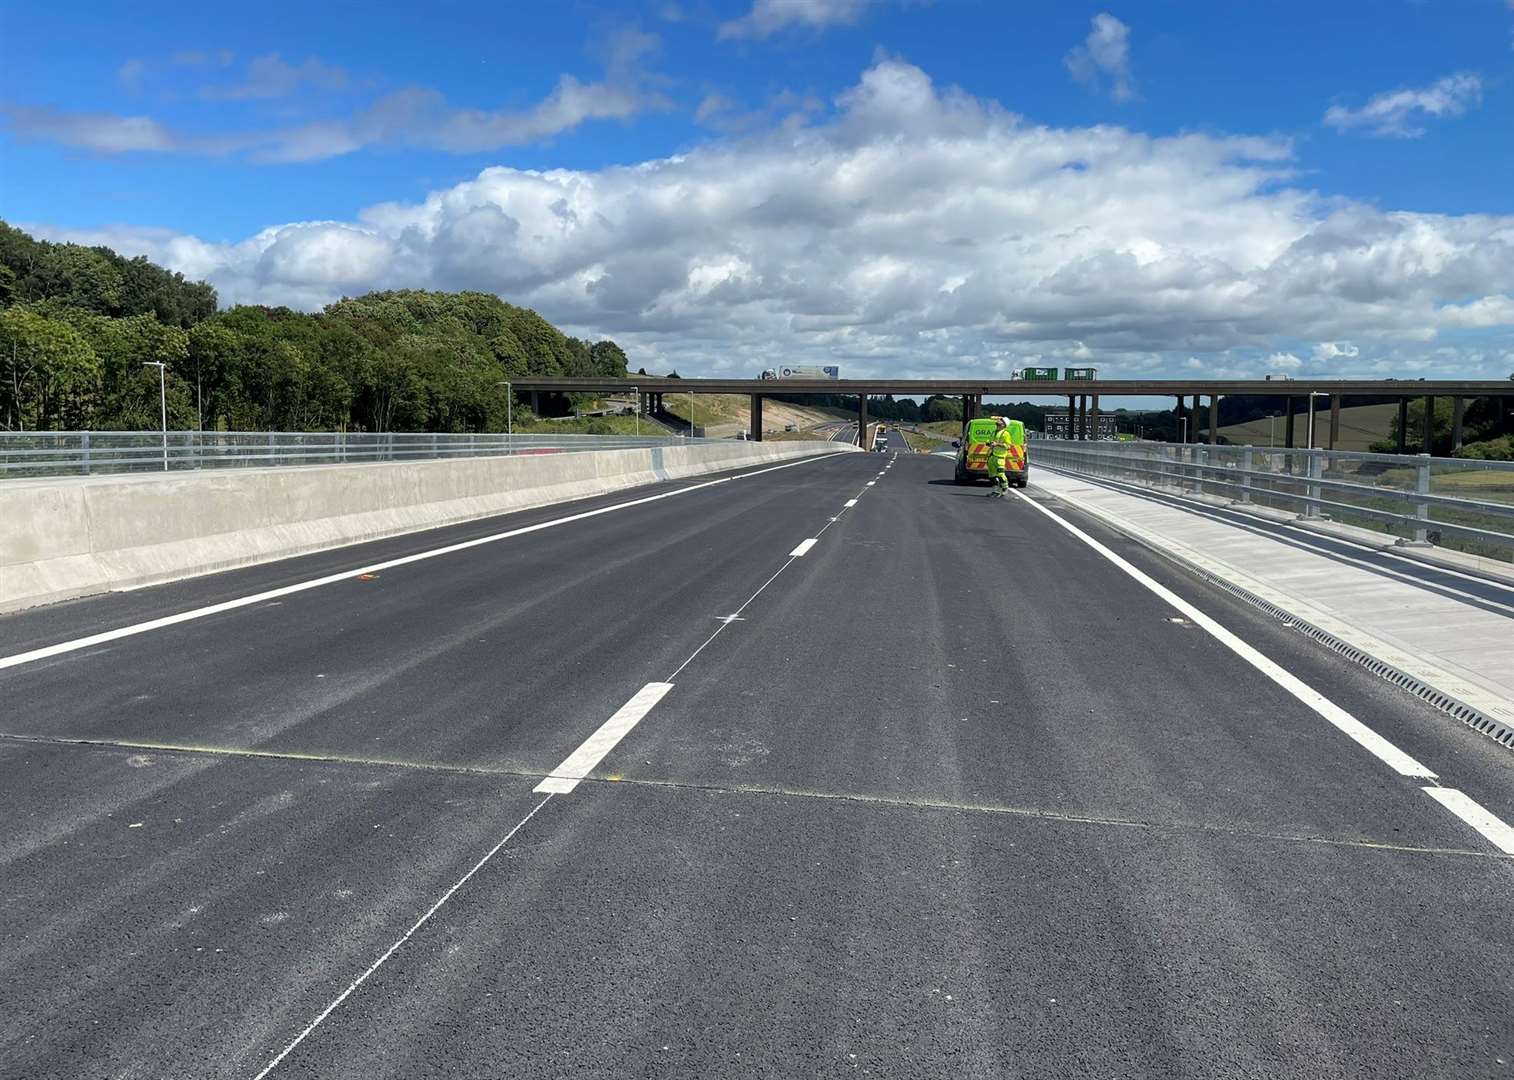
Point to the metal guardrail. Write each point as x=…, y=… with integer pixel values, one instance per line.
x=1453, y=502
x=89, y=453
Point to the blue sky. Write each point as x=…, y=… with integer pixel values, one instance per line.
x=187, y=133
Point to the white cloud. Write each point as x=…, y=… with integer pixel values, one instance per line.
x=768, y=17
x=272, y=76
x=920, y=231
x=1281, y=361
x=1325, y=351
x=411, y=117
x=1400, y=113
x=1105, y=54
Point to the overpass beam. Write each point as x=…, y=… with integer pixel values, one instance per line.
x=1429, y=425
x=1403, y=425
x=1335, y=419
x=1458, y=415
x=756, y=435
x=1214, y=419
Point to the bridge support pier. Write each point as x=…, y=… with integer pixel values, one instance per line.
x=1072, y=416
x=1288, y=409
x=1214, y=419
x=1094, y=418
x=1403, y=424
x=1179, y=435
x=756, y=435
x=862, y=422
x=1429, y=425
x=1458, y=414
x=1335, y=419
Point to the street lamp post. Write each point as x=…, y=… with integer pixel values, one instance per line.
x=162, y=402
x=1312, y=395
x=509, y=414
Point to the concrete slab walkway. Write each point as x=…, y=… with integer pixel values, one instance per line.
x=1452, y=634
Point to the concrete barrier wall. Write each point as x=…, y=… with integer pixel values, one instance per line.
x=65, y=538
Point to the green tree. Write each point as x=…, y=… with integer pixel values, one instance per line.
x=51, y=373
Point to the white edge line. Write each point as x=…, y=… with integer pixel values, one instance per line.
x=581, y=762
x=804, y=546
x=345, y=994
x=1364, y=736
x=1475, y=815
x=850, y=503
x=343, y=575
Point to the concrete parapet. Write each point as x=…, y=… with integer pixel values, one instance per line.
x=62, y=538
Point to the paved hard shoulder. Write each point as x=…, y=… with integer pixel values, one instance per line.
x=1461, y=647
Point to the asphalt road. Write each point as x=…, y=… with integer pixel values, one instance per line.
x=949, y=794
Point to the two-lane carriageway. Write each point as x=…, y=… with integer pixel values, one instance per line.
x=834, y=768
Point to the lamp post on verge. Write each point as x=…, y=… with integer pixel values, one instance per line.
x=162, y=402
x=1312, y=395
x=509, y=414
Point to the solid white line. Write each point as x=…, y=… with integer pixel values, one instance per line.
x=345, y=575
x=804, y=546
x=345, y=994
x=1368, y=739
x=1320, y=540
x=1204, y=510
x=581, y=762
x=851, y=503
x=870, y=483
x=1474, y=814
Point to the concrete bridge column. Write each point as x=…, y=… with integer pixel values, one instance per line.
x=1083, y=417
x=756, y=435
x=1335, y=419
x=1214, y=419
x=1403, y=424
x=1072, y=417
x=1094, y=418
x=1180, y=435
x=1288, y=423
x=1429, y=425
x=1458, y=414
x=862, y=421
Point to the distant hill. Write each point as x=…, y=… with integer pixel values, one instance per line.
x=78, y=325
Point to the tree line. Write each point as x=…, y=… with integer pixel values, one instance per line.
x=79, y=327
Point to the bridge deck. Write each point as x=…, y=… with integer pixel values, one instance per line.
x=883, y=778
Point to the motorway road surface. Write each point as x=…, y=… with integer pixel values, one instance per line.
x=949, y=794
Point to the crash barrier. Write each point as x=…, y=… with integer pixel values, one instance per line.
x=68, y=537
x=1458, y=503
x=91, y=453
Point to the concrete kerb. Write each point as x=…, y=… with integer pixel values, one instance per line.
x=1472, y=705
x=75, y=537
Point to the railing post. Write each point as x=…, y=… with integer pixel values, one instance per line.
x=1422, y=487
x=1246, y=476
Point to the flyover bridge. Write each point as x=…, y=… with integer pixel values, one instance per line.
x=1082, y=395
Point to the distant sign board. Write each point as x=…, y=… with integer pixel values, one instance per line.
x=802, y=371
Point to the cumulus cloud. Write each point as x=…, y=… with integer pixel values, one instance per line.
x=1281, y=361
x=917, y=230
x=1105, y=55
x=1401, y=113
x=768, y=17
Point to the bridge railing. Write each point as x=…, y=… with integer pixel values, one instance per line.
x=1457, y=503
x=88, y=453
